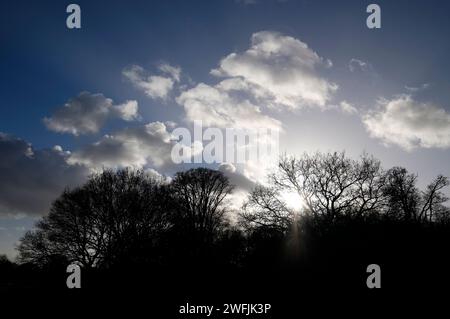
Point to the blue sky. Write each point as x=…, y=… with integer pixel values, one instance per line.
x=374, y=89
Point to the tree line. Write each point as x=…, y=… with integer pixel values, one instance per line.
x=354, y=212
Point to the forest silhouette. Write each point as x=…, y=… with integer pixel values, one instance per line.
x=128, y=229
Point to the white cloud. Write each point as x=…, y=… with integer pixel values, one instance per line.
x=417, y=88
x=157, y=175
x=174, y=72
x=57, y=148
x=243, y=185
x=138, y=147
x=216, y=107
x=282, y=69
x=158, y=86
x=170, y=124
x=410, y=124
x=356, y=64
x=87, y=113
x=272, y=73
x=127, y=111
x=155, y=86
x=347, y=108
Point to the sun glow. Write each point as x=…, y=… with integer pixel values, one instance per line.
x=293, y=201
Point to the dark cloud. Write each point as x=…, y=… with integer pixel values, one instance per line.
x=31, y=179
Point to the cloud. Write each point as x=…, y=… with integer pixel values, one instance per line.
x=155, y=86
x=157, y=175
x=347, y=108
x=216, y=107
x=240, y=181
x=127, y=111
x=275, y=72
x=282, y=69
x=409, y=124
x=227, y=168
x=138, y=147
x=31, y=179
x=87, y=113
x=418, y=88
x=359, y=65
x=174, y=72
x=170, y=124
x=243, y=185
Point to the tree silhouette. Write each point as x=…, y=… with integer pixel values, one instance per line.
x=402, y=194
x=433, y=200
x=108, y=220
x=201, y=193
x=200, y=220
x=333, y=185
x=405, y=201
x=265, y=209
x=181, y=232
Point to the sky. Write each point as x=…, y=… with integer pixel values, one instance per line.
x=110, y=94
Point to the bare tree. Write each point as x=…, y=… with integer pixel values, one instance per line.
x=201, y=193
x=402, y=195
x=433, y=198
x=332, y=184
x=265, y=209
x=369, y=186
x=112, y=216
